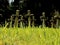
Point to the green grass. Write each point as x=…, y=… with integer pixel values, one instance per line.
x=30, y=36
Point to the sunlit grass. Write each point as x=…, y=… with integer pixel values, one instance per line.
x=29, y=36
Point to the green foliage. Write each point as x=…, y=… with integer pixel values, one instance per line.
x=30, y=36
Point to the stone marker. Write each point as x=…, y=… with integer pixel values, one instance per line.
x=21, y=21
x=43, y=18
x=33, y=20
x=57, y=17
x=29, y=18
x=16, y=18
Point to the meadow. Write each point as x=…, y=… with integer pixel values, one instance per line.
x=30, y=36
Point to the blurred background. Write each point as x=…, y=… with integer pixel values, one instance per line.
x=9, y=7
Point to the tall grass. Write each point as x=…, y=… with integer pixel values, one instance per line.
x=30, y=36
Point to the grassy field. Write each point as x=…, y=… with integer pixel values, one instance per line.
x=29, y=36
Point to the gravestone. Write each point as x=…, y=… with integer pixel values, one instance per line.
x=43, y=19
x=57, y=17
x=33, y=20
x=16, y=18
x=21, y=21
x=29, y=17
